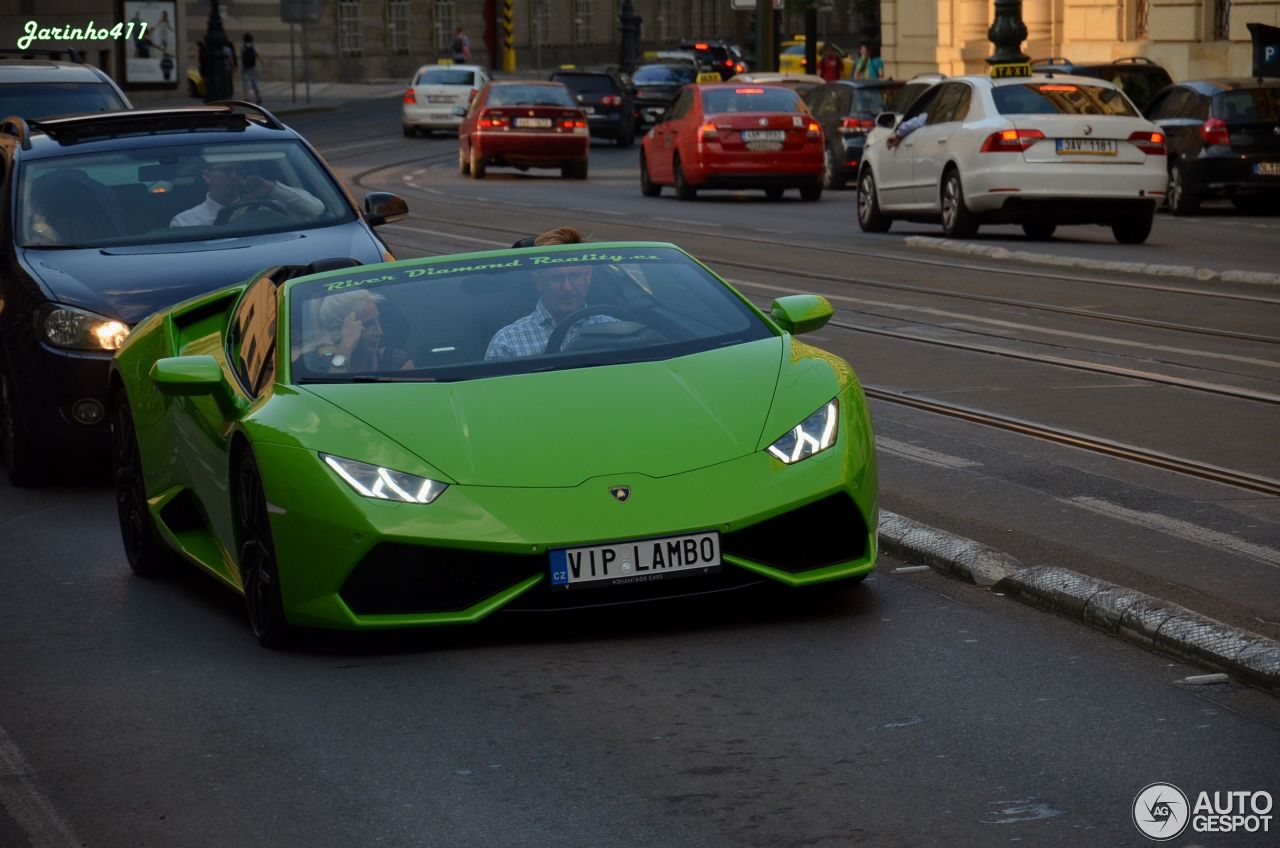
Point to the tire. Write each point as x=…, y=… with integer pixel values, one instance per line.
x=830, y=179
x=1133, y=230
x=957, y=220
x=1039, y=231
x=870, y=218
x=408, y=131
x=684, y=191
x=574, y=170
x=24, y=462
x=257, y=558
x=147, y=554
x=626, y=136
x=477, y=166
x=425, y=132
x=774, y=193
x=1256, y=204
x=647, y=186
x=1180, y=197
x=464, y=164
x=810, y=193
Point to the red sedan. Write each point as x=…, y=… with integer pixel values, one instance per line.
x=734, y=136
x=524, y=125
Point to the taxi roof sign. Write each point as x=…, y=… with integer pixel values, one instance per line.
x=1010, y=70
x=709, y=76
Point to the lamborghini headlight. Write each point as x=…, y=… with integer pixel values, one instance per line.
x=65, y=326
x=815, y=433
x=374, y=481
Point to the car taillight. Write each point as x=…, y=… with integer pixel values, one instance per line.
x=611, y=100
x=739, y=68
x=1214, y=131
x=573, y=123
x=708, y=132
x=857, y=125
x=814, y=130
x=488, y=119
x=728, y=63
x=1150, y=143
x=410, y=97
x=1011, y=141
x=472, y=95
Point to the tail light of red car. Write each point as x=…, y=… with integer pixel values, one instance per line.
x=1011, y=141
x=490, y=120
x=611, y=100
x=708, y=132
x=1214, y=131
x=410, y=97
x=857, y=125
x=814, y=130
x=1150, y=143
x=574, y=124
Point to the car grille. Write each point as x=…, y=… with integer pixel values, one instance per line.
x=403, y=579
x=822, y=533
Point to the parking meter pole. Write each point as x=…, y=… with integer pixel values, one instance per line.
x=1007, y=34
x=217, y=73
x=629, y=26
x=764, y=37
x=811, y=38
x=306, y=61
x=293, y=74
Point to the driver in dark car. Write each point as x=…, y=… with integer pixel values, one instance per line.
x=562, y=291
x=230, y=183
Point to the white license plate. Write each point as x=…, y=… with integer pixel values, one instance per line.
x=438, y=116
x=590, y=110
x=639, y=561
x=534, y=123
x=764, y=135
x=1267, y=169
x=439, y=98
x=1086, y=147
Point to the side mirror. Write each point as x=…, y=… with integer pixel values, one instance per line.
x=888, y=120
x=459, y=111
x=382, y=207
x=801, y=313
x=187, y=375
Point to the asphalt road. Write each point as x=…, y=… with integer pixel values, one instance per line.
x=912, y=710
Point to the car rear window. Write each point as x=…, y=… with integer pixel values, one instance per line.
x=446, y=76
x=876, y=100
x=751, y=99
x=1060, y=98
x=664, y=75
x=1250, y=104
x=586, y=83
x=43, y=99
x=530, y=95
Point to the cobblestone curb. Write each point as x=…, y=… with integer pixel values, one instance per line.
x=1190, y=272
x=1131, y=615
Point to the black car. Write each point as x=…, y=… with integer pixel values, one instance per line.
x=847, y=110
x=656, y=84
x=109, y=217
x=37, y=84
x=1224, y=141
x=1137, y=76
x=715, y=54
x=606, y=100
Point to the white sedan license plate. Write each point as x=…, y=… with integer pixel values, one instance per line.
x=1267, y=169
x=763, y=135
x=534, y=123
x=439, y=98
x=1086, y=147
x=639, y=561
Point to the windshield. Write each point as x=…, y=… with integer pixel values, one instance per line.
x=587, y=83
x=1248, y=105
x=536, y=310
x=720, y=100
x=43, y=99
x=876, y=100
x=664, y=75
x=529, y=95
x=175, y=193
x=446, y=76
x=1055, y=98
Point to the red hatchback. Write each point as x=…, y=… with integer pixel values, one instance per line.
x=734, y=136
x=524, y=125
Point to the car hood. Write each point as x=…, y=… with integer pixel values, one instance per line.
x=560, y=428
x=131, y=282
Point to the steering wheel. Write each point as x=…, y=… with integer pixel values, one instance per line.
x=556, y=340
x=224, y=214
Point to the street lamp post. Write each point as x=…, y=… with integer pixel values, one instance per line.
x=629, y=24
x=217, y=74
x=1007, y=34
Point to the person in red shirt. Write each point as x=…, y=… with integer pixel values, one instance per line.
x=829, y=66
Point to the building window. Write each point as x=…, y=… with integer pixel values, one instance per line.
x=1221, y=20
x=398, y=26
x=666, y=20
x=582, y=21
x=349, y=27
x=444, y=24
x=542, y=22
x=1142, y=13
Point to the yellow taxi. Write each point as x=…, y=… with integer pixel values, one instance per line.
x=791, y=58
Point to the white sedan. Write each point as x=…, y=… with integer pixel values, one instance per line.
x=435, y=92
x=1038, y=151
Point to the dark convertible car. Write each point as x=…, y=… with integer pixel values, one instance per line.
x=109, y=217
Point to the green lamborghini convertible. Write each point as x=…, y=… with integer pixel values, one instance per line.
x=430, y=441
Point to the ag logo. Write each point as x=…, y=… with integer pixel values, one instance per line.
x=620, y=493
x=1161, y=812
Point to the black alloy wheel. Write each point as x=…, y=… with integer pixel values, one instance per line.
x=870, y=218
x=148, y=556
x=1039, y=230
x=1181, y=198
x=647, y=186
x=1133, y=230
x=258, y=571
x=684, y=191
x=23, y=461
x=957, y=220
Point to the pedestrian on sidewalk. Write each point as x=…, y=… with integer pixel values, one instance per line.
x=461, y=47
x=250, y=62
x=869, y=64
x=830, y=67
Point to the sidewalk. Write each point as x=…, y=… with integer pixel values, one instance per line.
x=279, y=97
